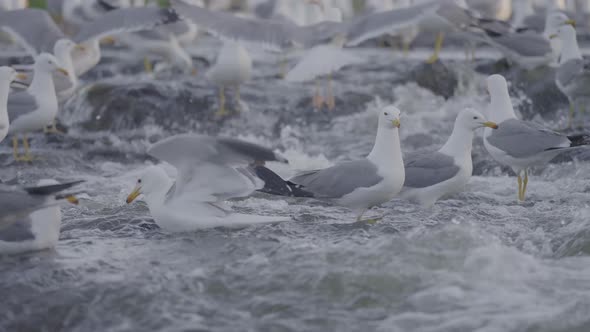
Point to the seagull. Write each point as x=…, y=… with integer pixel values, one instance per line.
x=210, y=171
x=430, y=176
x=7, y=75
x=520, y=144
x=30, y=218
x=233, y=67
x=527, y=48
x=165, y=40
x=572, y=76
x=450, y=16
x=65, y=86
x=35, y=108
x=37, y=31
x=364, y=183
x=323, y=59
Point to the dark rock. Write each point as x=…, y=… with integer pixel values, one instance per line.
x=131, y=106
x=435, y=77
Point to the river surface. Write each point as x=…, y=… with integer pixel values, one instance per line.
x=478, y=261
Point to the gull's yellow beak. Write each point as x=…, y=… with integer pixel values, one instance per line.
x=80, y=47
x=21, y=76
x=395, y=123
x=571, y=22
x=72, y=199
x=108, y=40
x=134, y=194
x=490, y=124
x=63, y=71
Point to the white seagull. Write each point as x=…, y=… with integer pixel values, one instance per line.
x=432, y=175
x=520, y=144
x=35, y=108
x=210, y=171
x=30, y=218
x=364, y=183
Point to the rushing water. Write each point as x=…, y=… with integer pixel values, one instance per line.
x=478, y=261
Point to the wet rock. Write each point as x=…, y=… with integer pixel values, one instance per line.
x=130, y=106
x=436, y=77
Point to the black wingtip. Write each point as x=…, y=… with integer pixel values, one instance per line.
x=169, y=15
x=579, y=140
x=275, y=185
x=51, y=189
x=106, y=6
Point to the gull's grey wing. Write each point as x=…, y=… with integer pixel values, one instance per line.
x=535, y=22
x=20, y=230
x=574, y=77
x=206, y=165
x=126, y=20
x=319, y=33
x=425, y=170
x=20, y=103
x=521, y=139
x=33, y=28
x=269, y=33
x=524, y=44
x=456, y=15
x=201, y=148
x=15, y=203
x=375, y=24
x=568, y=71
x=339, y=180
x=176, y=28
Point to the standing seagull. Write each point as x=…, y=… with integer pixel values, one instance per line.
x=7, y=75
x=430, y=176
x=572, y=76
x=232, y=68
x=35, y=108
x=210, y=171
x=519, y=144
x=30, y=218
x=364, y=183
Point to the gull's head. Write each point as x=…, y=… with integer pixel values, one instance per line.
x=63, y=45
x=565, y=33
x=153, y=179
x=47, y=62
x=389, y=117
x=556, y=20
x=472, y=119
x=497, y=85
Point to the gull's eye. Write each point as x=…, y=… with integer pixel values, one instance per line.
x=385, y=113
x=139, y=181
x=475, y=118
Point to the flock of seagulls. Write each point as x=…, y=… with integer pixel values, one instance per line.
x=212, y=170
